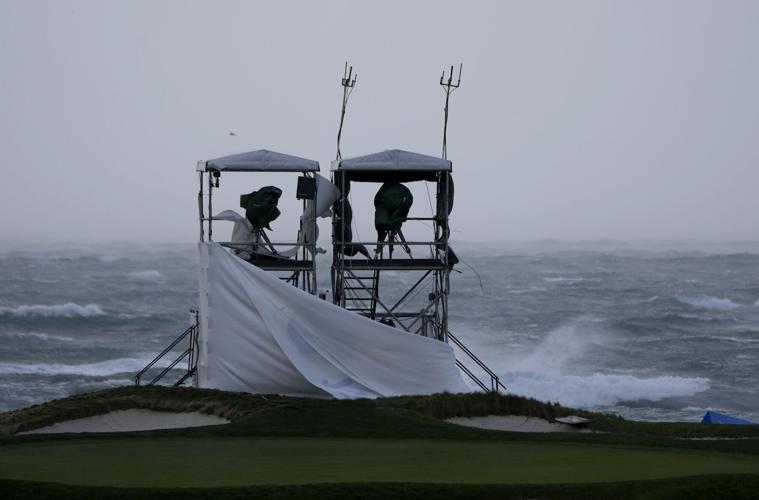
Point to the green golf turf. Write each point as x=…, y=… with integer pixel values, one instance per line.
x=211, y=462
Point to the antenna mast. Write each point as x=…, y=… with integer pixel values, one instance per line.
x=448, y=87
x=348, y=85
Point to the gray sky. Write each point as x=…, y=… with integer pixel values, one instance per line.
x=575, y=120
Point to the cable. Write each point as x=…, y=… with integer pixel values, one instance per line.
x=353, y=219
x=474, y=271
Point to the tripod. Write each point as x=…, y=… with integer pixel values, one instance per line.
x=393, y=237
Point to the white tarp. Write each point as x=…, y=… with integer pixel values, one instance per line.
x=261, y=335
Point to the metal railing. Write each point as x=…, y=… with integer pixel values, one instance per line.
x=495, y=382
x=190, y=353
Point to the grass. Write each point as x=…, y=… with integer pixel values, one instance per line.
x=239, y=461
x=734, y=487
x=399, y=447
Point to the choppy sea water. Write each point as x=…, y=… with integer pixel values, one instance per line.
x=648, y=334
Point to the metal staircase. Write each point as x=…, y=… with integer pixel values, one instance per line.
x=191, y=354
x=360, y=292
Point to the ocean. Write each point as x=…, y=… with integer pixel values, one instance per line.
x=644, y=331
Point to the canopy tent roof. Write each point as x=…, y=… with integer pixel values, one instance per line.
x=259, y=161
x=393, y=164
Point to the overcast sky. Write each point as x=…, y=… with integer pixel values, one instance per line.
x=575, y=120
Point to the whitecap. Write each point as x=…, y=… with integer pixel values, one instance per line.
x=550, y=372
x=107, y=259
x=563, y=280
x=737, y=340
x=67, y=310
x=709, y=302
x=133, y=316
x=756, y=304
x=150, y=275
x=600, y=389
x=36, y=335
x=99, y=369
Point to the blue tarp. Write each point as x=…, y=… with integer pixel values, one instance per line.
x=712, y=417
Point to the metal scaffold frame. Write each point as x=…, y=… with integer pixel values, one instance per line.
x=299, y=270
x=356, y=280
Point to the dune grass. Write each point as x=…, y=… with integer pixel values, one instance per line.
x=241, y=407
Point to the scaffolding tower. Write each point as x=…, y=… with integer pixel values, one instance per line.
x=295, y=264
x=361, y=278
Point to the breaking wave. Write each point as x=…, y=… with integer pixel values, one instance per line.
x=552, y=371
x=709, y=302
x=67, y=310
x=600, y=389
x=99, y=369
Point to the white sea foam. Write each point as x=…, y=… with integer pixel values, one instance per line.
x=599, y=389
x=552, y=371
x=107, y=259
x=563, y=280
x=99, y=369
x=67, y=310
x=563, y=347
x=151, y=275
x=756, y=304
x=709, y=302
x=35, y=335
x=133, y=316
x=737, y=340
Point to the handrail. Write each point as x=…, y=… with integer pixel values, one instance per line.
x=171, y=366
x=471, y=354
x=474, y=377
x=163, y=353
x=187, y=375
x=495, y=380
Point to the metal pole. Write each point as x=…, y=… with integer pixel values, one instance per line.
x=313, y=243
x=200, y=207
x=210, y=207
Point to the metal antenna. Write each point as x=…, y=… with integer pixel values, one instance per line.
x=348, y=85
x=448, y=88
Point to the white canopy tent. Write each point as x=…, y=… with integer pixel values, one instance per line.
x=261, y=160
x=394, y=160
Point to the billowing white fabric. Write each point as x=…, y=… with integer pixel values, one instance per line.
x=261, y=335
x=242, y=232
x=326, y=194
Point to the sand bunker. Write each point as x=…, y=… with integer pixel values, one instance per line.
x=132, y=420
x=514, y=423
